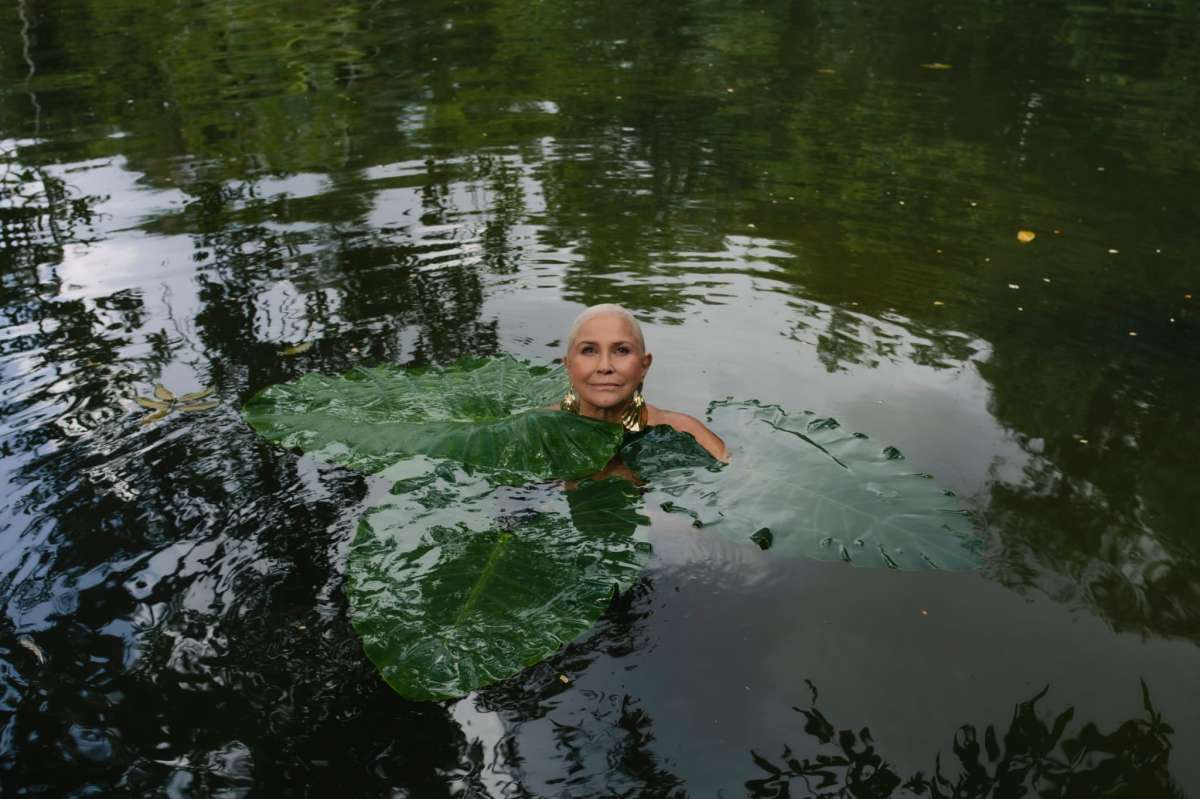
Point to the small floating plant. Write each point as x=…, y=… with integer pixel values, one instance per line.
x=165, y=401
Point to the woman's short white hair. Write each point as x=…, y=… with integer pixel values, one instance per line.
x=600, y=310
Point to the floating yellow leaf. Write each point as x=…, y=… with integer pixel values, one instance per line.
x=152, y=404
x=299, y=349
x=1026, y=236
x=562, y=678
x=195, y=395
x=936, y=65
x=164, y=393
x=197, y=406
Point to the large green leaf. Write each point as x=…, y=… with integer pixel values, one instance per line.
x=457, y=582
x=463, y=576
x=480, y=412
x=800, y=484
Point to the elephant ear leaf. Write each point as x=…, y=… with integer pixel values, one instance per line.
x=799, y=484
x=457, y=582
x=486, y=413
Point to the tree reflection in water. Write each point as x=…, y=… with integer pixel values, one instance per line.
x=365, y=175
x=1032, y=759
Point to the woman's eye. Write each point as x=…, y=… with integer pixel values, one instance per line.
x=587, y=349
x=623, y=349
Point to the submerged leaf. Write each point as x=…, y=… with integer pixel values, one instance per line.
x=151, y=418
x=297, y=349
x=152, y=404
x=450, y=596
x=820, y=491
x=193, y=407
x=164, y=393
x=480, y=412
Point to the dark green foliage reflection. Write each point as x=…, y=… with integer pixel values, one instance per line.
x=1037, y=755
x=798, y=209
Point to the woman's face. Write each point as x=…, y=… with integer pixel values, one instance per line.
x=606, y=363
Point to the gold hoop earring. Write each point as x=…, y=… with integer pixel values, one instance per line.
x=570, y=402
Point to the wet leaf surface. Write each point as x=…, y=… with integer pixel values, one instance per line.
x=457, y=582
x=487, y=413
x=800, y=484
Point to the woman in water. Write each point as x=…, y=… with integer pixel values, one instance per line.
x=607, y=362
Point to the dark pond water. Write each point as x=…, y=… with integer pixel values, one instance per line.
x=803, y=207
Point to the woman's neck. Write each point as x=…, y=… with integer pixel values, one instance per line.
x=612, y=415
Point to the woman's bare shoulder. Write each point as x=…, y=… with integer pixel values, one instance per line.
x=690, y=424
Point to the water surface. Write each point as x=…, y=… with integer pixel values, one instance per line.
x=803, y=206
